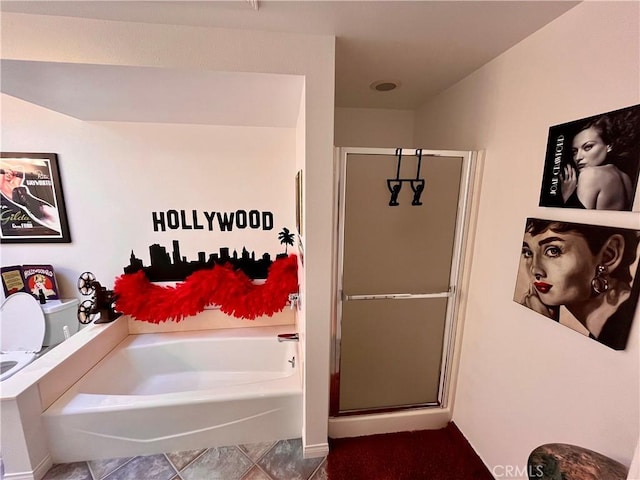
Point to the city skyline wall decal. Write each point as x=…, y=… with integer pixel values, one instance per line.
x=173, y=266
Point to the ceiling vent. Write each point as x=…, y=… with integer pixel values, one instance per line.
x=384, y=85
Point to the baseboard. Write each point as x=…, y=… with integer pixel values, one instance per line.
x=403, y=421
x=315, y=451
x=19, y=476
x=37, y=474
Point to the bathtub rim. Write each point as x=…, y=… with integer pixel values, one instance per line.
x=286, y=385
x=58, y=357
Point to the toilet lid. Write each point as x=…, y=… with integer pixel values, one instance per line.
x=22, y=324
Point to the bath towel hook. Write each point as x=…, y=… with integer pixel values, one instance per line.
x=419, y=155
x=417, y=185
x=395, y=184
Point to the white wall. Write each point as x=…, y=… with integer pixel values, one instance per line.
x=373, y=127
x=524, y=380
x=116, y=174
x=62, y=39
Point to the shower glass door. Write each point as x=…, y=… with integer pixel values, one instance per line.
x=399, y=268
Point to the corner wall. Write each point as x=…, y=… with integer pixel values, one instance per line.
x=524, y=380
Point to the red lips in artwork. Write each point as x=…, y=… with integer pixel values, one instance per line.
x=542, y=287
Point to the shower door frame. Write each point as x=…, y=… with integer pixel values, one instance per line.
x=469, y=159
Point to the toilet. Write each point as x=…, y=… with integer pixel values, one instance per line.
x=61, y=321
x=22, y=328
x=26, y=326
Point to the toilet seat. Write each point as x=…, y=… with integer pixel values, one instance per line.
x=22, y=329
x=21, y=359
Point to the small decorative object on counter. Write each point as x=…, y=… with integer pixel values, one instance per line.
x=86, y=306
x=102, y=302
x=38, y=280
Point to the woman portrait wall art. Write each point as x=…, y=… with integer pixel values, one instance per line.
x=582, y=276
x=593, y=163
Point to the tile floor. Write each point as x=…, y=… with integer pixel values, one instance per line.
x=258, y=461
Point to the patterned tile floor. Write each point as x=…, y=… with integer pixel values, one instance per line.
x=257, y=461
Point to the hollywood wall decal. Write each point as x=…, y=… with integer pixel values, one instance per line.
x=211, y=220
x=582, y=276
x=593, y=162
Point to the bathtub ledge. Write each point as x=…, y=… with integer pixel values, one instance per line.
x=42, y=366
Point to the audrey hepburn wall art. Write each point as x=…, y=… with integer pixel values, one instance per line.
x=582, y=276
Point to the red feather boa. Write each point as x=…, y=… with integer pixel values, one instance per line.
x=230, y=289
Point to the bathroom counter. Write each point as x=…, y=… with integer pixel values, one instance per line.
x=51, y=358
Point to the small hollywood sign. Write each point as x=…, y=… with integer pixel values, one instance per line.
x=211, y=220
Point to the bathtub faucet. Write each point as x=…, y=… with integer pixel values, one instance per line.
x=288, y=337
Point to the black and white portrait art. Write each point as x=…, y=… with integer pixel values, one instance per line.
x=582, y=276
x=593, y=163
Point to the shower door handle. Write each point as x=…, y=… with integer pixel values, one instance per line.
x=399, y=296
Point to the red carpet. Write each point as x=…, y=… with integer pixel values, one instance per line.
x=426, y=454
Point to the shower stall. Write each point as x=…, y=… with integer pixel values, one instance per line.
x=402, y=228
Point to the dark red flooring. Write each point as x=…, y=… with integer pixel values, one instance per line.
x=421, y=455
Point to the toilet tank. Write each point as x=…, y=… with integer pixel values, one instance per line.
x=58, y=314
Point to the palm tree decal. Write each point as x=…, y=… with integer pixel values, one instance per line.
x=286, y=237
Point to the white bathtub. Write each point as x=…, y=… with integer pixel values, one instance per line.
x=166, y=392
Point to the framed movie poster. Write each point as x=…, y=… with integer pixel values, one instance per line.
x=31, y=200
x=581, y=276
x=593, y=162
